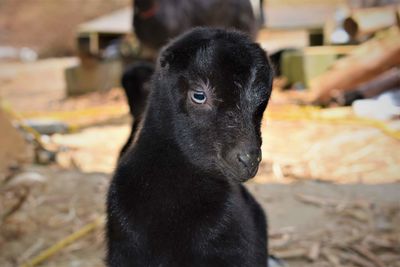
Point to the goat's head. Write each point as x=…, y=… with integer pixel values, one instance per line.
x=216, y=85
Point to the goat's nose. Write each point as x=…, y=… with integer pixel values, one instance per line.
x=250, y=159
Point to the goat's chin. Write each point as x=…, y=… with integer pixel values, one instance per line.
x=243, y=175
x=234, y=172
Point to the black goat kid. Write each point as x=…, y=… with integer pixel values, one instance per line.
x=176, y=199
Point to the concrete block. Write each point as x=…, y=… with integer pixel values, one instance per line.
x=300, y=66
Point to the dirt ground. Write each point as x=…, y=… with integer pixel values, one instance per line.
x=331, y=191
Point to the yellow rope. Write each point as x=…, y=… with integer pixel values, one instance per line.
x=68, y=116
x=110, y=110
x=47, y=253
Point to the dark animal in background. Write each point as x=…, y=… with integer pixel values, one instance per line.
x=176, y=198
x=136, y=84
x=157, y=21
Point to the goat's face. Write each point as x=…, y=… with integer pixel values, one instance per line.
x=219, y=84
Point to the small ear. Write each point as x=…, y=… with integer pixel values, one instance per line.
x=165, y=58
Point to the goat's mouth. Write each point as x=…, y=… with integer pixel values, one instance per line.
x=235, y=171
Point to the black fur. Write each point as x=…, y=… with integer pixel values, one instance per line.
x=136, y=81
x=176, y=198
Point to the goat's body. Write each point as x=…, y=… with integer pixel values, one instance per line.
x=164, y=217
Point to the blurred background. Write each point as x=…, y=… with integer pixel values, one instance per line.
x=330, y=174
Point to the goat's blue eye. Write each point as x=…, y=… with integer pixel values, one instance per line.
x=198, y=97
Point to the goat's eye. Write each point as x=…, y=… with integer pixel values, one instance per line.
x=198, y=97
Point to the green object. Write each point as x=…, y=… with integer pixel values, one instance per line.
x=300, y=66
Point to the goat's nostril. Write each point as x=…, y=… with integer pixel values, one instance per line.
x=249, y=159
x=246, y=159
